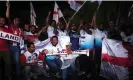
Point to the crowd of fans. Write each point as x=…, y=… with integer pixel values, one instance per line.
x=34, y=61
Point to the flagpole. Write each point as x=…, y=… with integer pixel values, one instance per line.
x=76, y=12
x=65, y=20
x=63, y=15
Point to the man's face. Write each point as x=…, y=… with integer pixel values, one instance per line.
x=2, y=21
x=32, y=29
x=26, y=27
x=62, y=26
x=16, y=21
x=31, y=48
x=53, y=24
x=101, y=26
x=54, y=41
x=73, y=27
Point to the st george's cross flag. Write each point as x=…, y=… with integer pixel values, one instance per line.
x=57, y=13
x=116, y=60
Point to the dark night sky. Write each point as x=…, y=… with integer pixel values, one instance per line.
x=22, y=9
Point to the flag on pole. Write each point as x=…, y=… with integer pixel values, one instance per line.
x=99, y=3
x=57, y=13
x=130, y=10
x=115, y=60
x=74, y=5
x=32, y=15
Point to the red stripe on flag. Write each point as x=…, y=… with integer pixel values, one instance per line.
x=55, y=12
x=115, y=60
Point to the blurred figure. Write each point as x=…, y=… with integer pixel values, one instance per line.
x=51, y=29
x=32, y=35
x=68, y=69
x=44, y=35
x=4, y=52
x=53, y=62
x=14, y=47
x=74, y=37
x=127, y=35
x=33, y=60
x=26, y=28
x=62, y=29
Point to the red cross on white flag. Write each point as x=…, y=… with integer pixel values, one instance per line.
x=57, y=13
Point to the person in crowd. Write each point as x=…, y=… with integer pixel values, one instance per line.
x=74, y=37
x=53, y=62
x=86, y=40
x=44, y=35
x=99, y=35
x=4, y=52
x=127, y=35
x=62, y=28
x=33, y=35
x=26, y=28
x=32, y=61
x=14, y=47
x=51, y=29
x=70, y=68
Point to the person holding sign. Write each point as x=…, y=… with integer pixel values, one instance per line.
x=4, y=51
x=14, y=47
x=53, y=61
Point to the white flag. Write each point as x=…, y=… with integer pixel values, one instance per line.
x=115, y=60
x=74, y=5
x=57, y=13
x=32, y=15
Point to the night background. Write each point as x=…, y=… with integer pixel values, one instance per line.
x=108, y=11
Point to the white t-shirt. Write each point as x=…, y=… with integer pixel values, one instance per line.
x=52, y=49
x=99, y=34
x=61, y=33
x=50, y=31
x=31, y=57
x=86, y=40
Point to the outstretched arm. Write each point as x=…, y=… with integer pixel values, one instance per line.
x=42, y=30
x=47, y=19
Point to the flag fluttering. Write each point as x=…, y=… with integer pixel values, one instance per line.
x=57, y=13
x=115, y=60
x=32, y=15
x=74, y=5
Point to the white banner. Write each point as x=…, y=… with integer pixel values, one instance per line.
x=11, y=37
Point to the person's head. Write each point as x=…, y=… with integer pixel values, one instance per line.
x=69, y=46
x=73, y=27
x=16, y=21
x=62, y=24
x=54, y=40
x=31, y=47
x=53, y=24
x=33, y=29
x=26, y=27
x=100, y=26
x=2, y=21
x=129, y=31
x=111, y=24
